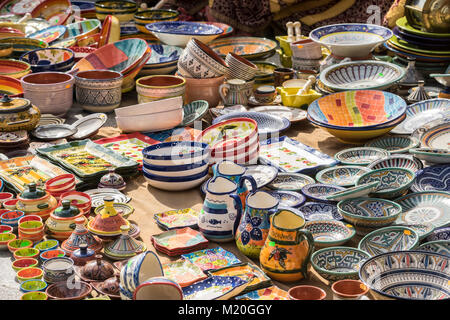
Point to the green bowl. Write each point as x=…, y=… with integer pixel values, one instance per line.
x=34, y=295
x=33, y=285
x=5, y=238
x=47, y=245
x=26, y=253
x=20, y=244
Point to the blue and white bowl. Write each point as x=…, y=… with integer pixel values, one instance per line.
x=178, y=33
x=176, y=153
x=175, y=183
x=176, y=171
x=320, y=191
x=50, y=59
x=320, y=211
x=163, y=59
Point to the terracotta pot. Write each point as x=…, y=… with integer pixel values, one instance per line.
x=204, y=89
x=51, y=92
x=306, y=293
x=159, y=87
x=348, y=289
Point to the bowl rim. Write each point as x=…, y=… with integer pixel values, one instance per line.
x=396, y=156
x=54, y=65
x=153, y=27
x=323, y=270
x=38, y=280
x=390, y=191
x=371, y=218
x=175, y=179
x=41, y=272
x=168, y=76
x=48, y=240
x=86, y=292
x=388, y=228
x=351, y=230
x=16, y=62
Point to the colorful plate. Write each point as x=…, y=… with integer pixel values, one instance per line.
x=440, y=246
x=215, y=288
x=403, y=24
x=289, y=198
x=360, y=156
x=397, y=161
x=246, y=47
x=270, y=293
x=320, y=191
x=174, y=219
x=179, y=239
x=394, y=144
x=49, y=34
x=183, y=272
x=292, y=114
x=211, y=259
x=434, y=178
x=362, y=190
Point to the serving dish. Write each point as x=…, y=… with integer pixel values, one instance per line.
x=290, y=181
x=434, y=178
x=319, y=211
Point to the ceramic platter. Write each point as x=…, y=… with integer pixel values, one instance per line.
x=267, y=124
x=434, y=178
x=289, y=198
x=214, y=288
x=97, y=196
x=211, y=259
x=177, y=219
x=50, y=119
x=292, y=114
x=88, y=126
x=290, y=181
x=246, y=47
x=179, y=241
x=292, y=156
x=420, y=113
x=270, y=293
x=319, y=211
x=51, y=132
x=429, y=207
x=344, y=176
x=183, y=272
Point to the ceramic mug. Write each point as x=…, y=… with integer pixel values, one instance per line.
x=233, y=92
x=349, y=289
x=265, y=94
x=281, y=75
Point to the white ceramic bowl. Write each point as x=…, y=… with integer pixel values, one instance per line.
x=150, y=107
x=151, y=122
x=176, y=153
x=168, y=171
x=186, y=184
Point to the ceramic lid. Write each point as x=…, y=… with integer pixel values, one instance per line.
x=112, y=180
x=32, y=192
x=8, y=105
x=83, y=252
x=97, y=269
x=66, y=210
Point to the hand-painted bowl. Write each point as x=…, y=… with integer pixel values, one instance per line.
x=14, y=68
x=5, y=229
x=10, y=86
x=344, y=176
x=122, y=10
x=50, y=59
x=442, y=233
x=33, y=285
x=320, y=191
x=29, y=273
x=78, y=199
x=360, y=156
x=159, y=87
x=330, y=233
x=319, y=211
x=394, y=144
x=11, y=218
x=17, y=244
x=163, y=59
x=4, y=196
x=60, y=183
x=23, y=45
x=23, y=263
x=34, y=295
x=47, y=245
x=26, y=253
x=397, y=161
x=50, y=34
x=52, y=253
x=10, y=204
x=141, y=18
x=337, y=263
x=5, y=238
x=31, y=227
x=83, y=28
x=30, y=218
x=394, y=182
x=63, y=291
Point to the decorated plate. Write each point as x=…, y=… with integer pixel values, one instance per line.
x=403, y=24
x=434, y=178
x=214, y=288
x=292, y=156
x=270, y=293
x=177, y=219
x=289, y=198
x=319, y=211
x=183, y=272
x=49, y=34
x=262, y=174
x=89, y=125
x=227, y=29
x=247, y=47
x=397, y=161
x=290, y=181
x=440, y=246
x=292, y=114
x=344, y=176
x=162, y=54
x=403, y=45
x=179, y=239
x=51, y=132
x=211, y=259
x=97, y=196
x=432, y=155
x=437, y=137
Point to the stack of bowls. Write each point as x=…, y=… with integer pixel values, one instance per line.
x=60, y=184
x=151, y=116
x=176, y=166
x=357, y=116
x=11, y=218
x=32, y=230
x=122, y=10
x=78, y=199
x=157, y=87
x=144, y=17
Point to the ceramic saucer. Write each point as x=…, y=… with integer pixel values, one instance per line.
x=88, y=126
x=292, y=114
x=362, y=190
x=290, y=181
x=434, y=178
x=319, y=211
x=321, y=191
x=289, y=198
x=97, y=196
x=431, y=155
x=51, y=132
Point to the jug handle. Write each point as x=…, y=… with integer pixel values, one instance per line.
x=251, y=180
x=238, y=206
x=221, y=87
x=310, y=240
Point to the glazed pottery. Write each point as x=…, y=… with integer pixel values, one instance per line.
x=112, y=180
x=108, y=221
x=290, y=181
x=407, y=275
x=30, y=273
x=246, y=47
x=349, y=289
x=5, y=238
x=254, y=226
x=183, y=272
x=320, y=191
x=98, y=90
x=122, y=10
x=14, y=68
x=212, y=259
x=288, y=247
x=215, y=288
x=10, y=205
x=65, y=291
x=204, y=89
x=47, y=245
x=388, y=239
x=319, y=211
x=329, y=233
x=442, y=233
x=11, y=86
x=222, y=209
x=439, y=246
x=360, y=156
x=394, y=144
x=281, y=75
x=434, y=178
x=265, y=94
x=6, y=229
x=176, y=183
x=61, y=222
x=397, y=161
x=50, y=34
x=81, y=235
x=175, y=219
x=51, y=132
x=22, y=263
x=240, y=68
x=58, y=269
x=51, y=92
x=290, y=98
x=158, y=288
x=124, y=247
x=78, y=199
x=32, y=286
x=338, y=263
x=289, y=198
x=84, y=28
x=305, y=292
x=235, y=92
x=34, y=295
x=269, y=293
x=194, y=112
x=143, y=17
x=26, y=253
x=82, y=255
x=431, y=155
x=109, y=287
x=151, y=122
x=98, y=270
x=11, y=108
x=434, y=134
x=110, y=31
x=344, y=176
x=23, y=45
x=159, y=87
x=163, y=59
x=17, y=244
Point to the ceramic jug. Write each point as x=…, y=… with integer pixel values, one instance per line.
x=288, y=248
x=236, y=92
x=222, y=210
x=236, y=173
x=255, y=222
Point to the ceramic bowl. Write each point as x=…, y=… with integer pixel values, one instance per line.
x=30, y=273
x=338, y=263
x=63, y=291
x=23, y=45
x=360, y=156
x=150, y=107
x=357, y=75
x=52, y=253
x=151, y=122
x=23, y=263
x=319, y=211
x=81, y=200
x=431, y=155
x=17, y=244
x=47, y=245
x=11, y=218
x=30, y=217
x=349, y=289
x=432, y=178
x=14, y=68
x=394, y=182
x=159, y=87
x=344, y=176
x=194, y=111
x=5, y=238
x=34, y=295
x=176, y=171
x=49, y=34
x=387, y=239
x=84, y=28
x=5, y=196
x=178, y=33
x=26, y=253
x=330, y=233
x=60, y=183
x=158, y=288
x=442, y=233
x=369, y=213
x=305, y=292
x=351, y=39
x=175, y=183
x=204, y=89
x=176, y=153
x=11, y=86
x=50, y=59
x=33, y=285
x=439, y=246
x=248, y=47
x=144, y=17
x=394, y=144
x=5, y=229
x=122, y=10
x=98, y=90
x=397, y=161
x=240, y=68
x=57, y=269
x=163, y=60
x=10, y=205
x=51, y=92
x=320, y=191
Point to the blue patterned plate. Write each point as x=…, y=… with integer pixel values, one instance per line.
x=184, y=28
x=290, y=181
x=439, y=234
x=320, y=191
x=344, y=176
x=289, y=198
x=440, y=246
x=215, y=288
x=267, y=124
x=434, y=178
x=360, y=156
x=319, y=211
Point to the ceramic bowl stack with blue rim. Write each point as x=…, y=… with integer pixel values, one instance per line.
x=176, y=166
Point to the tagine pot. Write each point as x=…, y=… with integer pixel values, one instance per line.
x=36, y=201
x=18, y=114
x=108, y=221
x=288, y=247
x=97, y=270
x=61, y=222
x=82, y=255
x=79, y=236
x=124, y=247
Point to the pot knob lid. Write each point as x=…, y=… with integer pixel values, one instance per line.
x=8, y=105
x=32, y=192
x=66, y=210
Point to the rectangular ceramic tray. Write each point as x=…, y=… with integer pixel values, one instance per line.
x=18, y=172
x=292, y=156
x=211, y=259
x=93, y=160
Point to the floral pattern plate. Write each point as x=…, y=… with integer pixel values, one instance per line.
x=290, y=181
x=270, y=293
x=214, y=288
x=179, y=239
x=211, y=259
x=434, y=178
x=174, y=219
x=183, y=272
x=292, y=156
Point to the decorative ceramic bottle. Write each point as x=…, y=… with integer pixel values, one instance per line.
x=255, y=223
x=288, y=247
x=222, y=210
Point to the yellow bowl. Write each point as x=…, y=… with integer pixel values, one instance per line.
x=289, y=97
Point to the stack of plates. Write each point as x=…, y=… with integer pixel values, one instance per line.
x=179, y=241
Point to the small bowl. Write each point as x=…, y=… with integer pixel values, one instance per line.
x=5, y=196
x=141, y=18
x=30, y=273
x=60, y=183
x=50, y=59
x=158, y=87
x=5, y=238
x=50, y=254
x=14, y=68
x=305, y=292
x=62, y=291
x=344, y=176
x=47, y=245
x=23, y=263
x=33, y=285
x=18, y=244
x=10, y=204
x=397, y=161
x=320, y=191
x=5, y=229
x=330, y=233
x=26, y=253
x=30, y=218
x=34, y=295
x=360, y=156
x=338, y=263
x=31, y=227
x=349, y=289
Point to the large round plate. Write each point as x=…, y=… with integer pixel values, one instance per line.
x=267, y=124
x=403, y=24
x=292, y=114
x=426, y=42
x=227, y=29
x=247, y=47
x=434, y=178
x=403, y=45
